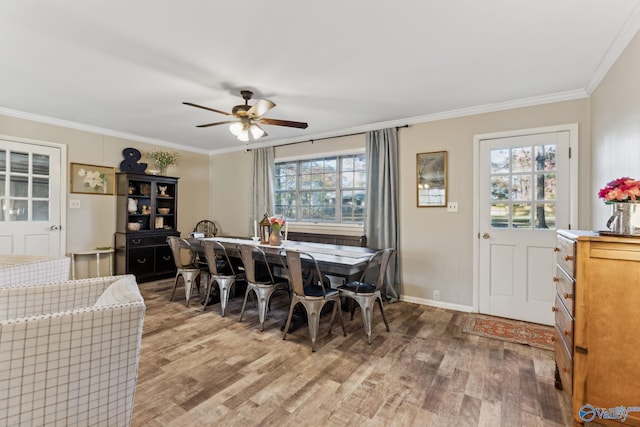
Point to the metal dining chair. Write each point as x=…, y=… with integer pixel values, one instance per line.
x=189, y=270
x=366, y=294
x=263, y=289
x=311, y=296
x=225, y=280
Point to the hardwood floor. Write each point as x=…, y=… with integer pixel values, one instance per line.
x=200, y=369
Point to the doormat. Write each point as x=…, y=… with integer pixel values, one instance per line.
x=533, y=334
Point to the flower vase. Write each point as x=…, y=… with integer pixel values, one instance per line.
x=163, y=170
x=625, y=218
x=275, y=237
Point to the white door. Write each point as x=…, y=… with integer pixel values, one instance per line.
x=30, y=199
x=523, y=198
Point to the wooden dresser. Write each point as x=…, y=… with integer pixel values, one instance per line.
x=597, y=324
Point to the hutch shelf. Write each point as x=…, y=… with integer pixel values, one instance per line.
x=147, y=212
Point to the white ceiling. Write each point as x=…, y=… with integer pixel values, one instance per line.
x=125, y=67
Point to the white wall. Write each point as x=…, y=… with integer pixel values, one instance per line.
x=615, y=119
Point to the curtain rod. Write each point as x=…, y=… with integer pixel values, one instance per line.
x=326, y=137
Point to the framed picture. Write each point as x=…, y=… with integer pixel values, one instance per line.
x=92, y=179
x=431, y=179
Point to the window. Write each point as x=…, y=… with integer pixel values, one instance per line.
x=523, y=187
x=24, y=186
x=327, y=189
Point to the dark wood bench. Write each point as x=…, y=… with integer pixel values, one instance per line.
x=334, y=239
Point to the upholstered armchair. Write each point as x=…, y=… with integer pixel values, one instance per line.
x=30, y=269
x=69, y=352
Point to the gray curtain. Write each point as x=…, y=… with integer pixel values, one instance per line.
x=263, y=185
x=381, y=218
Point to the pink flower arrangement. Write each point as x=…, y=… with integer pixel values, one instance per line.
x=277, y=222
x=622, y=189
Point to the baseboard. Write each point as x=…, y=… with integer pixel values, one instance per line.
x=439, y=304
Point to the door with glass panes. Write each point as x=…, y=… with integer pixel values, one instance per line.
x=523, y=200
x=30, y=199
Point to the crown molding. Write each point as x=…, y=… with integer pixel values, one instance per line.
x=622, y=40
x=95, y=129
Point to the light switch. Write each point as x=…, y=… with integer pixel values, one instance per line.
x=452, y=207
x=74, y=203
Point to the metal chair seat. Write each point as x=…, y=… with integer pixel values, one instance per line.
x=358, y=287
x=317, y=291
x=367, y=294
x=312, y=297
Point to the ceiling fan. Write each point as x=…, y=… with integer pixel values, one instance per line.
x=248, y=118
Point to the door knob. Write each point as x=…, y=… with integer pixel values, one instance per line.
x=485, y=236
x=54, y=227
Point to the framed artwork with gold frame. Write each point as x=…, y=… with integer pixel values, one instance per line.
x=92, y=179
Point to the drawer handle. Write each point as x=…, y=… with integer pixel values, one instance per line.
x=166, y=258
x=568, y=258
x=566, y=333
x=136, y=241
x=555, y=279
x=554, y=309
x=566, y=370
x=142, y=261
x=556, y=249
x=553, y=338
x=567, y=295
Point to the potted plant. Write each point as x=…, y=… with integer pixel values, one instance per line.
x=623, y=194
x=162, y=159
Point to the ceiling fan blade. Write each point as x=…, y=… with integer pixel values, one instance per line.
x=215, y=124
x=261, y=107
x=288, y=123
x=206, y=108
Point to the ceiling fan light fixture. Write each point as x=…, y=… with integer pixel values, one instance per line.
x=243, y=136
x=256, y=131
x=236, y=128
x=245, y=118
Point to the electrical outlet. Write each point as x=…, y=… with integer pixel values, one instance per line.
x=452, y=207
x=74, y=203
x=436, y=295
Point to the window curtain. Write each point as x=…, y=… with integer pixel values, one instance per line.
x=264, y=171
x=381, y=217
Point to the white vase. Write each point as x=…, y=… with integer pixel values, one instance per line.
x=132, y=205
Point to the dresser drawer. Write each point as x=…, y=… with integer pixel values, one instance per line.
x=564, y=362
x=564, y=323
x=565, y=287
x=565, y=255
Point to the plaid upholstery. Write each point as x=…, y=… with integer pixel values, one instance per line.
x=64, y=361
x=30, y=269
